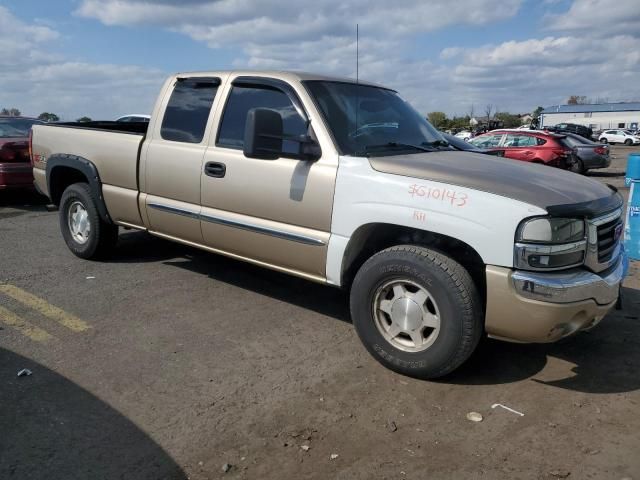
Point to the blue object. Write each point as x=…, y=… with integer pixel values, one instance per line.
x=632, y=225
x=633, y=169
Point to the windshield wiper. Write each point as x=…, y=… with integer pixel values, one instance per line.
x=437, y=143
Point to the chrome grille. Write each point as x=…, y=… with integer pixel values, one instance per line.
x=607, y=240
x=603, y=244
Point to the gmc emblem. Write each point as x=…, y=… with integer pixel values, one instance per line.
x=617, y=233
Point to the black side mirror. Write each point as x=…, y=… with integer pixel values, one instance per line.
x=263, y=134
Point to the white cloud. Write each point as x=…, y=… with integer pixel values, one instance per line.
x=35, y=80
x=599, y=18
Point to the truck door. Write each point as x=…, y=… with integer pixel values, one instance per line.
x=274, y=212
x=173, y=158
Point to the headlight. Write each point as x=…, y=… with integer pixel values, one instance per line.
x=551, y=230
x=550, y=243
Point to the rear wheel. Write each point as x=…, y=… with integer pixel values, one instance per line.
x=85, y=233
x=577, y=166
x=416, y=310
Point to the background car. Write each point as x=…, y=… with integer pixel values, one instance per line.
x=574, y=128
x=464, y=135
x=618, y=136
x=463, y=145
x=15, y=165
x=135, y=117
x=529, y=146
x=587, y=154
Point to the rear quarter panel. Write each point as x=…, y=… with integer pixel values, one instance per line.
x=114, y=154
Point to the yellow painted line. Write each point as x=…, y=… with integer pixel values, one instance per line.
x=45, y=308
x=34, y=333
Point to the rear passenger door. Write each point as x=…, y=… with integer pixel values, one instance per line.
x=173, y=155
x=276, y=212
x=519, y=147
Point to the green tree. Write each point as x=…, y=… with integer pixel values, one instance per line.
x=83, y=119
x=509, y=120
x=536, y=113
x=437, y=119
x=12, y=112
x=48, y=117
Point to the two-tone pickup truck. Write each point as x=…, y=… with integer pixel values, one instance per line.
x=342, y=182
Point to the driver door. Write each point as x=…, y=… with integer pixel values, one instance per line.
x=274, y=212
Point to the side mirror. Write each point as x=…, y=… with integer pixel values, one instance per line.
x=263, y=134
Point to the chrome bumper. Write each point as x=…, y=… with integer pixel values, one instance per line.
x=572, y=286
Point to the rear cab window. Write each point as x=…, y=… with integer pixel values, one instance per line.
x=185, y=118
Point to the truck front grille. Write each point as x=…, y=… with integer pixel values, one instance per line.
x=608, y=239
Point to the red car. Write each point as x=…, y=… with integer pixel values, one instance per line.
x=528, y=145
x=15, y=166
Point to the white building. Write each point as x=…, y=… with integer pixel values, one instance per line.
x=598, y=117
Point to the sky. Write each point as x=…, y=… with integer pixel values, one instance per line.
x=106, y=58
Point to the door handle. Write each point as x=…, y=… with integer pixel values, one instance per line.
x=215, y=169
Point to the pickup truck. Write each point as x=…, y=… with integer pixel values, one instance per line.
x=344, y=183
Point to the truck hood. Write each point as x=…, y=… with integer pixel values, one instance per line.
x=560, y=192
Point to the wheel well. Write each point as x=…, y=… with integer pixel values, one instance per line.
x=60, y=178
x=372, y=238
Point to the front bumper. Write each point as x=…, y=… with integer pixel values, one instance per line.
x=544, y=307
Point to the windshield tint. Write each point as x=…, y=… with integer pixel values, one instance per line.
x=16, y=127
x=371, y=120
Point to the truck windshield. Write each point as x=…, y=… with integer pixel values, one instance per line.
x=372, y=121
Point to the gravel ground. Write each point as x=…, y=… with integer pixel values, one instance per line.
x=168, y=363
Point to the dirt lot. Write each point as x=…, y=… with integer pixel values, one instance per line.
x=168, y=362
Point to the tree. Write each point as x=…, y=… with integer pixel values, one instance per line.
x=48, y=117
x=577, y=100
x=535, y=120
x=508, y=119
x=437, y=119
x=487, y=111
x=12, y=112
x=83, y=119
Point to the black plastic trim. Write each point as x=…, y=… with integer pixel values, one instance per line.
x=88, y=169
x=590, y=209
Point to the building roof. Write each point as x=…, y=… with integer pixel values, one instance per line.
x=599, y=107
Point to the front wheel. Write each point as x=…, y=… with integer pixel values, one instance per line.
x=85, y=233
x=604, y=140
x=628, y=142
x=416, y=310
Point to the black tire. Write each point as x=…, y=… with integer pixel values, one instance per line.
x=628, y=142
x=460, y=312
x=102, y=236
x=604, y=140
x=578, y=166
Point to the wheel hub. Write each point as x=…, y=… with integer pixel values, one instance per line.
x=78, y=221
x=406, y=313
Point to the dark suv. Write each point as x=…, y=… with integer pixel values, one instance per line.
x=581, y=130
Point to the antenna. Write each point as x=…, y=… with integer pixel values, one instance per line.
x=357, y=53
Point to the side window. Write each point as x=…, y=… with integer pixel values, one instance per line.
x=527, y=141
x=242, y=99
x=540, y=141
x=485, y=141
x=185, y=118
